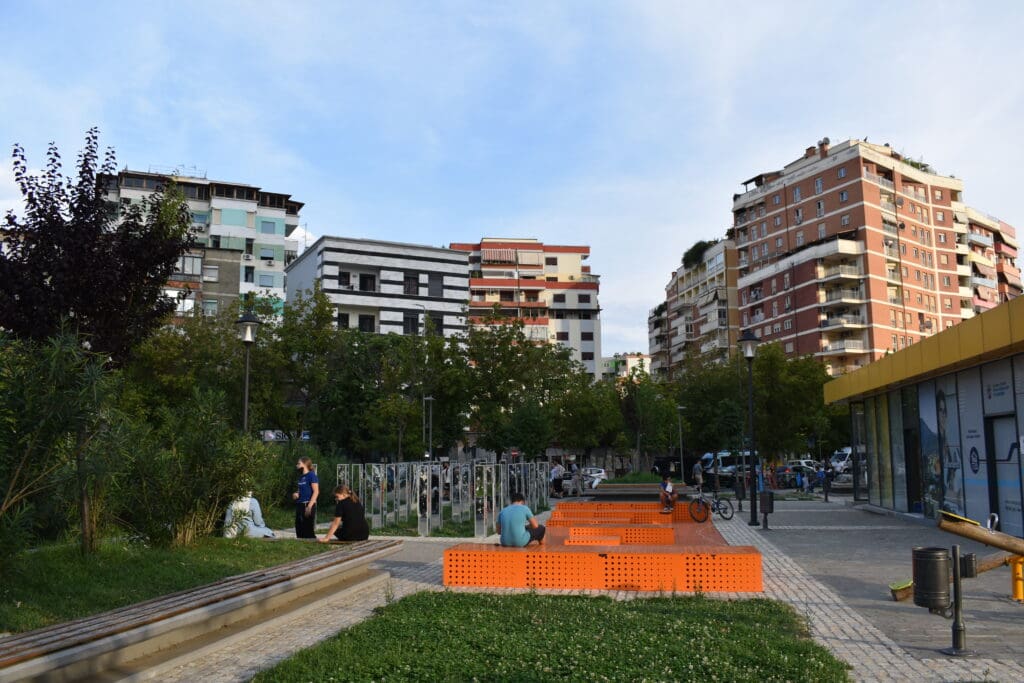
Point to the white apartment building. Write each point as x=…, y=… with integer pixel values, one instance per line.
x=386, y=287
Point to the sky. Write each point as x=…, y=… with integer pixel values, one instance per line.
x=625, y=126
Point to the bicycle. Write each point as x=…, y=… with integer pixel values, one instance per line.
x=701, y=508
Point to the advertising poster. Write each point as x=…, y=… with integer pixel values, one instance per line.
x=931, y=462
x=972, y=441
x=947, y=435
x=899, y=458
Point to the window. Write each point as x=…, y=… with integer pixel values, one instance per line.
x=345, y=279
x=788, y=304
x=550, y=260
x=821, y=231
x=800, y=238
x=435, y=285
x=558, y=298
x=586, y=336
x=411, y=284
x=211, y=273
x=584, y=298
x=787, y=324
x=342, y=320
x=215, y=241
x=844, y=196
x=778, y=243
x=587, y=355
x=917, y=276
x=785, y=281
x=209, y=307
x=764, y=249
x=937, y=194
x=940, y=216
x=776, y=200
x=268, y=227
x=775, y=286
x=410, y=324
x=917, y=253
x=818, y=185
x=267, y=253
x=947, y=303
x=789, y=347
x=249, y=274
x=248, y=246
x=584, y=316
x=437, y=324
x=906, y=271
x=796, y=194
x=366, y=323
x=845, y=220
x=820, y=209
x=775, y=308
x=367, y=283
x=946, y=282
x=507, y=296
x=189, y=265
x=842, y=172
x=561, y=336
x=551, y=278
x=266, y=280
x=798, y=216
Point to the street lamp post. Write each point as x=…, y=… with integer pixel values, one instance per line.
x=749, y=342
x=247, y=325
x=430, y=434
x=679, y=415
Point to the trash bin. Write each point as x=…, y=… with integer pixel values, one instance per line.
x=740, y=488
x=931, y=577
x=767, y=502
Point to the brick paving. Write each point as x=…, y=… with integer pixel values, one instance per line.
x=872, y=655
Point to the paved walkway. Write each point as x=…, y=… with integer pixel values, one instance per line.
x=813, y=579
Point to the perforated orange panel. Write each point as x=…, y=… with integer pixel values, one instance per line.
x=669, y=553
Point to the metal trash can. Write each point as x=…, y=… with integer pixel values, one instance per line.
x=767, y=502
x=931, y=568
x=740, y=488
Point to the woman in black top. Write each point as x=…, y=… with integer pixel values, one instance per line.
x=349, y=515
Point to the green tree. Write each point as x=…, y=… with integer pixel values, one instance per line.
x=71, y=262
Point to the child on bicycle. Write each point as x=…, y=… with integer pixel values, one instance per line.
x=668, y=494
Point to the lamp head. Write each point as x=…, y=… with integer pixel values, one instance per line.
x=247, y=325
x=749, y=342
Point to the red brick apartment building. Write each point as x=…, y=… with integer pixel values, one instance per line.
x=853, y=251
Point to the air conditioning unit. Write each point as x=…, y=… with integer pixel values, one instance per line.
x=270, y=263
x=247, y=257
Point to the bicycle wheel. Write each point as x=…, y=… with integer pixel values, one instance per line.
x=699, y=510
x=724, y=508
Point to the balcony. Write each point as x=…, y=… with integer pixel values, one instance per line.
x=979, y=239
x=842, y=321
x=963, y=248
x=979, y=281
x=966, y=292
x=1004, y=248
x=983, y=304
x=888, y=184
x=845, y=272
x=844, y=295
x=963, y=270
x=842, y=347
x=892, y=276
x=891, y=253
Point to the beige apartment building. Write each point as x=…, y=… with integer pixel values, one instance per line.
x=546, y=286
x=851, y=252
x=699, y=314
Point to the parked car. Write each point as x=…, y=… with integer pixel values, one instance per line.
x=804, y=462
x=842, y=460
x=592, y=476
x=725, y=460
x=785, y=475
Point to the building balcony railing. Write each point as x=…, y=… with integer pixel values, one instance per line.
x=843, y=321
x=978, y=238
x=891, y=253
x=843, y=346
x=984, y=304
x=979, y=281
x=843, y=271
x=888, y=184
x=844, y=294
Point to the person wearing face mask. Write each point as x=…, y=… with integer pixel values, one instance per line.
x=305, y=499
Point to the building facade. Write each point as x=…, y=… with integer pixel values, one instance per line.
x=938, y=426
x=852, y=252
x=699, y=315
x=546, y=286
x=241, y=231
x=386, y=287
x=622, y=365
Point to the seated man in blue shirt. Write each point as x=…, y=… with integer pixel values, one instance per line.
x=517, y=525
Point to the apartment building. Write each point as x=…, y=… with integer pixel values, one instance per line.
x=242, y=244
x=852, y=251
x=699, y=314
x=386, y=287
x=546, y=286
x=622, y=365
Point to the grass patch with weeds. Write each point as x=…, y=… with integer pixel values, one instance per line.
x=528, y=637
x=56, y=583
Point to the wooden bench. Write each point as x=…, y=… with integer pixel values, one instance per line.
x=90, y=645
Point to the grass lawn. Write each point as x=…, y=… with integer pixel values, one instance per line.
x=55, y=583
x=465, y=636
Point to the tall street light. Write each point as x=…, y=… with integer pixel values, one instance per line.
x=749, y=342
x=679, y=415
x=430, y=434
x=247, y=326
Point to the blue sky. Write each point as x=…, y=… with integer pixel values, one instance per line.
x=623, y=125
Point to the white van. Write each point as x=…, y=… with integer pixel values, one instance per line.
x=842, y=460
